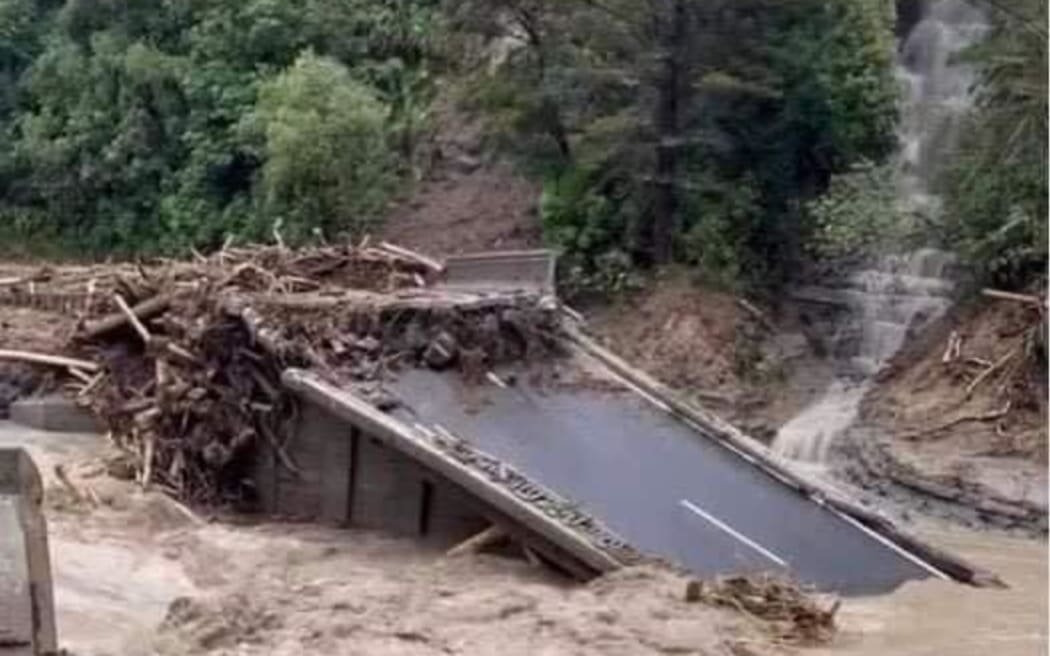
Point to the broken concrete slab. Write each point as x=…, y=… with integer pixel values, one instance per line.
x=55, y=413
x=27, y=615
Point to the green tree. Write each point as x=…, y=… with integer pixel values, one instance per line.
x=122, y=122
x=996, y=192
x=324, y=142
x=688, y=117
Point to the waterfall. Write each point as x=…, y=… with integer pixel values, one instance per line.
x=901, y=292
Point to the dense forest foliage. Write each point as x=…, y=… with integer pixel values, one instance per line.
x=996, y=191
x=131, y=126
x=697, y=131
x=689, y=130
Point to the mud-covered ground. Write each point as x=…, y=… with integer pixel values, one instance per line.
x=961, y=430
x=465, y=202
x=754, y=368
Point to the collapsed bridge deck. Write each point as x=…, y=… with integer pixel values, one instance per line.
x=665, y=488
x=587, y=474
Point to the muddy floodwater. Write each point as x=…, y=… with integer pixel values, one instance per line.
x=937, y=618
x=298, y=589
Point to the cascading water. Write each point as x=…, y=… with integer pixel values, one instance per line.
x=901, y=292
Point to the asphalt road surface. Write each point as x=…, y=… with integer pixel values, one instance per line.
x=659, y=484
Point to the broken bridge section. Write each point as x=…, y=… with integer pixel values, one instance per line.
x=521, y=444
x=358, y=465
x=650, y=477
x=438, y=399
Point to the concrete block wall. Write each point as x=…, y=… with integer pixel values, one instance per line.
x=348, y=478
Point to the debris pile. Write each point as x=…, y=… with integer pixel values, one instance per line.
x=182, y=358
x=792, y=614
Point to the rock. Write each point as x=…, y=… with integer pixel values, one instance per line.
x=15, y=382
x=442, y=351
x=694, y=591
x=216, y=454
x=121, y=468
x=368, y=344
x=465, y=164
x=473, y=365
x=999, y=508
x=414, y=339
x=384, y=401
x=787, y=346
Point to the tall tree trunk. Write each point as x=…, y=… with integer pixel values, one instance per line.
x=550, y=112
x=661, y=229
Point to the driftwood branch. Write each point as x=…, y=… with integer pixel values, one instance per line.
x=988, y=372
x=132, y=318
x=77, y=373
x=532, y=557
x=63, y=478
x=430, y=263
x=759, y=315
x=987, y=416
x=145, y=310
x=1011, y=296
x=92, y=384
x=52, y=360
x=147, y=461
x=954, y=348
x=477, y=543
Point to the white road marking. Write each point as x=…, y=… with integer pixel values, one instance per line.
x=886, y=542
x=728, y=529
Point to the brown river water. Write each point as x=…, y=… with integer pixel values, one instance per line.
x=118, y=568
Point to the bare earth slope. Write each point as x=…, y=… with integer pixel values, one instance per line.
x=465, y=203
x=756, y=370
x=968, y=420
x=487, y=208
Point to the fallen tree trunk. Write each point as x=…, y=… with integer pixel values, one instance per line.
x=144, y=310
x=52, y=360
x=1011, y=296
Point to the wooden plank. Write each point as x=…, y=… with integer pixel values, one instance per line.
x=405, y=439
